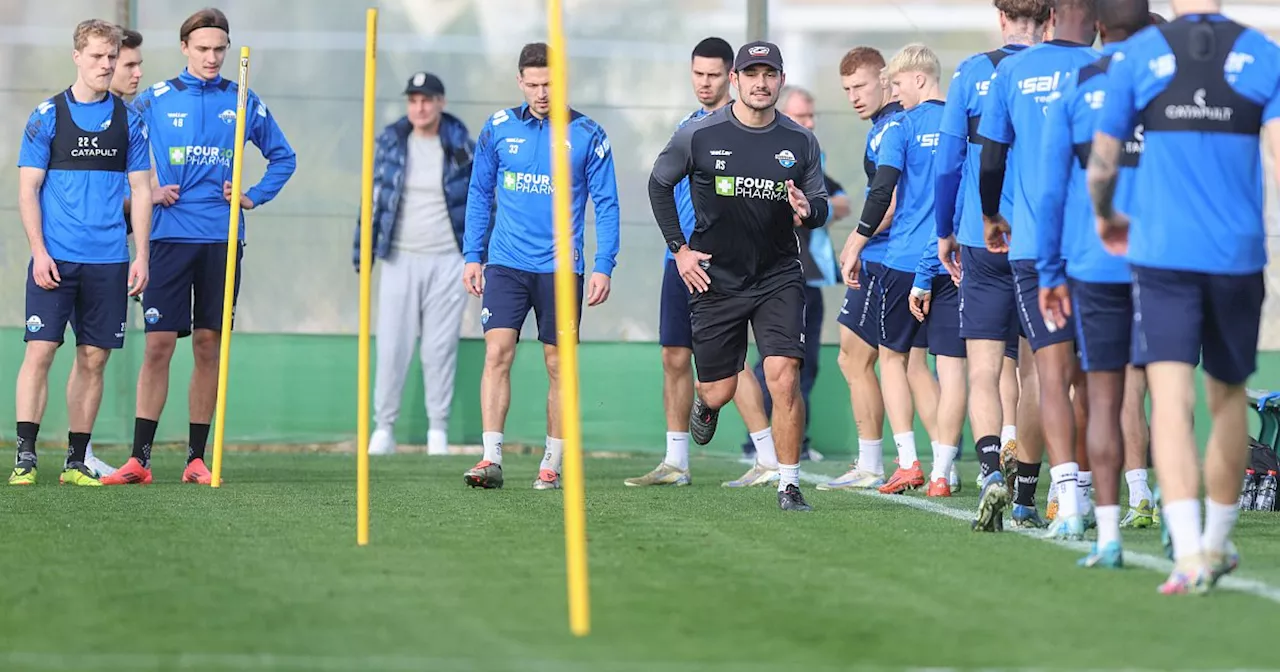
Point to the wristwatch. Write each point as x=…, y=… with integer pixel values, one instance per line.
x=674, y=246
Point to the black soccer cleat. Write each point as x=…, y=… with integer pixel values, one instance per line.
x=791, y=499
x=702, y=422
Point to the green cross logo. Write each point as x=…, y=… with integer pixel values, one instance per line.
x=177, y=156
x=724, y=185
x=508, y=180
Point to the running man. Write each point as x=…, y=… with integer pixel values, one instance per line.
x=905, y=163
x=710, y=64
x=750, y=170
x=1079, y=281
x=1202, y=87
x=1013, y=116
x=78, y=151
x=995, y=400
x=514, y=145
x=191, y=119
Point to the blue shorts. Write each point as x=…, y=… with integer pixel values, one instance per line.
x=899, y=329
x=187, y=282
x=674, y=328
x=509, y=294
x=943, y=321
x=1103, y=313
x=860, y=312
x=1182, y=316
x=1027, y=281
x=987, y=299
x=97, y=295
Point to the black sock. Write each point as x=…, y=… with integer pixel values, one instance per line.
x=77, y=443
x=988, y=449
x=144, y=433
x=1024, y=486
x=196, y=441
x=27, y=432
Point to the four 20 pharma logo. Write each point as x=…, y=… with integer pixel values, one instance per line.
x=526, y=183
x=192, y=155
x=750, y=187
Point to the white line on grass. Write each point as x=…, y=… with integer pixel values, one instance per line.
x=1252, y=587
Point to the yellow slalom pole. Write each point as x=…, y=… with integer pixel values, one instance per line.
x=575, y=513
x=366, y=278
x=229, y=286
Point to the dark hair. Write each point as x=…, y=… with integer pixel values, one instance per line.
x=1128, y=16
x=861, y=57
x=714, y=47
x=1035, y=10
x=1087, y=10
x=1157, y=20
x=533, y=55
x=132, y=39
x=209, y=17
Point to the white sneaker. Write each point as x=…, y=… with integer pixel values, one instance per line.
x=437, y=442
x=102, y=469
x=383, y=442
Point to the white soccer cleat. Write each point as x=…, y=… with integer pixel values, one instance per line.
x=437, y=442
x=383, y=442
x=758, y=474
x=855, y=479
x=102, y=469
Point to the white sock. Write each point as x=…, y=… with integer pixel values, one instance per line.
x=1084, y=482
x=1219, y=520
x=1108, y=524
x=906, y=443
x=1183, y=520
x=871, y=455
x=678, y=450
x=88, y=452
x=790, y=476
x=766, y=455
x=492, y=447
x=1008, y=433
x=943, y=458
x=1065, y=478
x=437, y=440
x=553, y=455
x=1138, y=488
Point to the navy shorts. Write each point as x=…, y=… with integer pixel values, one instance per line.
x=1182, y=316
x=674, y=328
x=96, y=294
x=942, y=324
x=187, y=282
x=860, y=312
x=1103, y=313
x=899, y=329
x=509, y=294
x=1027, y=281
x=987, y=299
x=775, y=315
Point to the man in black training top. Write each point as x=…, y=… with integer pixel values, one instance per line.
x=750, y=170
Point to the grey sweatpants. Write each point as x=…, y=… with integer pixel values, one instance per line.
x=419, y=296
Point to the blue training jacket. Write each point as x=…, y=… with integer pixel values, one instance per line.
x=389, y=161
x=513, y=166
x=192, y=126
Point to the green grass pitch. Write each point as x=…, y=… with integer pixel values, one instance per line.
x=264, y=574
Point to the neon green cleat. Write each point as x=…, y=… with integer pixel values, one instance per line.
x=78, y=474
x=1140, y=516
x=23, y=474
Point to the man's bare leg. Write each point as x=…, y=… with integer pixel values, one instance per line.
x=749, y=399
x=202, y=398
x=924, y=390
x=1172, y=386
x=1105, y=392
x=553, y=454
x=1137, y=455
x=986, y=361
x=898, y=404
x=1224, y=461
x=84, y=399
x=495, y=401
x=858, y=364
x=782, y=375
x=677, y=401
x=953, y=389
x=1009, y=393
x=32, y=397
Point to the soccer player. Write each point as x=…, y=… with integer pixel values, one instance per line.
x=514, y=145
x=191, y=119
x=1078, y=279
x=1202, y=87
x=1013, y=115
x=78, y=150
x=904, y=161
x=750, y=170
x=710, y=64
x=995, y=398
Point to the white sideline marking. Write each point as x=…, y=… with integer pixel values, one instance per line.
x=1250, y=586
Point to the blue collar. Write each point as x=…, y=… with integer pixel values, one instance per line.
x=195, y=82
x=1111, y=48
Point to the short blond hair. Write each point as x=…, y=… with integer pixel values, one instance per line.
x=914, y=58
x=97, y=28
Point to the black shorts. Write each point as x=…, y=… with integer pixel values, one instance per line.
x=942, y=324
x=720, y=328
x=187, y=285
x=1103, y=314
x=92, y=297
x=900, y=331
